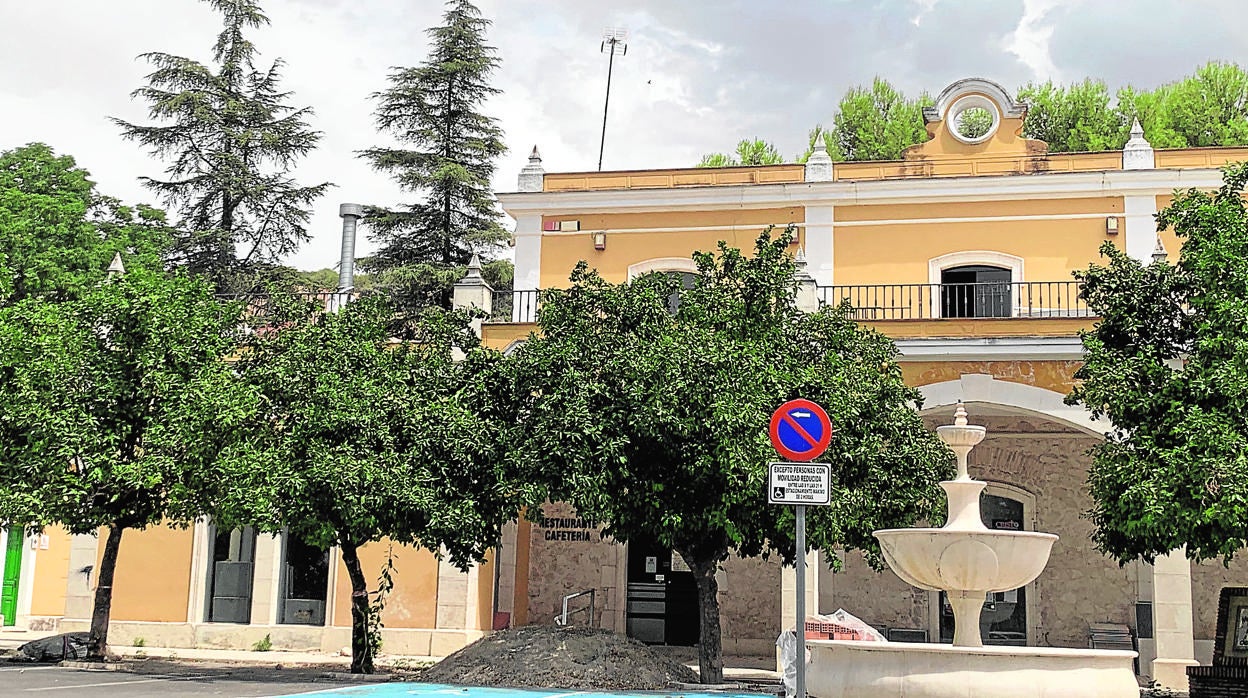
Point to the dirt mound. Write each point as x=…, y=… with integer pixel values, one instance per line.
x=552, y=657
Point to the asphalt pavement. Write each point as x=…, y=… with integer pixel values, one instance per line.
x=52, y=681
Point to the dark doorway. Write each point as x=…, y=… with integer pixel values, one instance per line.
x=976, y=291
x=1004, y=618
x=662, y=596
x=230, y=575
x=305, y=583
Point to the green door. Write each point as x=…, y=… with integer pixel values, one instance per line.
x=12, y=570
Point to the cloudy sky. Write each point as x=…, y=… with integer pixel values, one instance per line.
x=699, y=74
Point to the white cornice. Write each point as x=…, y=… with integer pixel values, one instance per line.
x=1054, y=185
x=989, y=348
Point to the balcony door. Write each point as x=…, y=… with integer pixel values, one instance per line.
x=976, y=290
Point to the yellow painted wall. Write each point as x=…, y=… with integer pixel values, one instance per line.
x=51, y=574
x=899, y=253
x=981, y=209
x=631, y=238
x=520, y=607
x=1181, y=158
x=500, y=335
x=485, y=593
x=153, y=578
x=414, y=601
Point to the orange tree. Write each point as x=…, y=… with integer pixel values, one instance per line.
x=648, y=404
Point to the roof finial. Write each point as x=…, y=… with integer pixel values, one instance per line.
x=1159, y=251
x=474, y=267
x=116, y=268
x=1137, y=131
x=535, y=157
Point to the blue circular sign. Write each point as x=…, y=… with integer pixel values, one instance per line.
x=800, y=430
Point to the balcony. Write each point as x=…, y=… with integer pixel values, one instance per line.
x=997, y=299
x=514, y=306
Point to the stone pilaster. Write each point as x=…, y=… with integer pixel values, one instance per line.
x=79, y=585
x=819, y=247
x=1172, y=620
x=788, y=593
x=266, y=580
x=1138, y=154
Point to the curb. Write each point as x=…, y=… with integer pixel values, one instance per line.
x=364, y=678
x=93, y=666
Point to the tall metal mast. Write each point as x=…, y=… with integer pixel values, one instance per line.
x=611, y=37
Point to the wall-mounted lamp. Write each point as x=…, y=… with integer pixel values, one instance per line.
x=1111, y=225
x=600, y=240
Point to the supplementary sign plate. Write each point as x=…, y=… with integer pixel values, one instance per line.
x=809, y=484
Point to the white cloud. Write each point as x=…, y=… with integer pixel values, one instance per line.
x=699, y=74
x=1031, y=38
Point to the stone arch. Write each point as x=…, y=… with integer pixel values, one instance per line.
x=982, y=388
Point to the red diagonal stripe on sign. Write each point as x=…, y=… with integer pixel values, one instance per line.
x=814, y=443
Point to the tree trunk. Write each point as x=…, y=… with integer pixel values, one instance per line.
x=97, y=644
x=710, y=646
x=361, y=650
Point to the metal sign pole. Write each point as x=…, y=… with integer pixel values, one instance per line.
x=801, y=601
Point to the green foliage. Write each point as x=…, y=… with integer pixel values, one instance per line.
x=1207, y=108
x=1168, y=364
x=264, y=644
x=112, y=403
x=1073, y=118
x=655, y=423
x=434, y=109
x=361, y=437
x=974, y=122
x=113, y=409
x=140, y=642
x=385, y=585
x=231, y=140
x=749, y=152
x=872, y=124
x=59, y=233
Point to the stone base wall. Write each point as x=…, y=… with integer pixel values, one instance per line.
x=1208, y=578
x=294, y=638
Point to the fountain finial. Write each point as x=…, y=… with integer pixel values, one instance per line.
x=959, y=415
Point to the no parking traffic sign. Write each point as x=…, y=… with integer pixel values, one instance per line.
x=800, y=430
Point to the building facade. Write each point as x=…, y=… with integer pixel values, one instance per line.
x=962, y=252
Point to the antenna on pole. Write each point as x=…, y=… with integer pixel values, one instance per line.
x=613, y=38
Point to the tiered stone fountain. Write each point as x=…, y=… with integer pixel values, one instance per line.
x=966, y=560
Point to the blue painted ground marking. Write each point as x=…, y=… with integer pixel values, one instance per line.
x=432, y=690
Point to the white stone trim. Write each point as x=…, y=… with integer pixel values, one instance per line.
x=979, y=219
x=1140, y=213
x=972, y=101
x=681, y=264
x=978, y=387
x=680, y=229
x=528, y=252
x=915, y=190
x=990, y=349
x=1003, y=260
x=26, y=579
x=959, y=89
x=820, y=244
x=201, y=550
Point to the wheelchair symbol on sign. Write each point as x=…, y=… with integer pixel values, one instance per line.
x=778, y=493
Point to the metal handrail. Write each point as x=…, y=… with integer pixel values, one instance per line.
x=515, y=306
x=1011, y=299
x=562, y=619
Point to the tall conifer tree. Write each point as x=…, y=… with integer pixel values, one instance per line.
x=231, y=139
x=435, y=110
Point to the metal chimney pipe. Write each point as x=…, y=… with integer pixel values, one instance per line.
x=350, y=214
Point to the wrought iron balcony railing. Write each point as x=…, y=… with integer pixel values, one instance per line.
x=514, y=306
x=1018, y=299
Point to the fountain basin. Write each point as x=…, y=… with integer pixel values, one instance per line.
x=956, y=560
x=849, y=669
